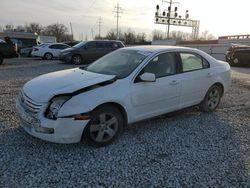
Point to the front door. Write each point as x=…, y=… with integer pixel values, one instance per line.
x=154, y=98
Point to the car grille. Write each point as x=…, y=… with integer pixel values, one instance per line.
x=28, y=104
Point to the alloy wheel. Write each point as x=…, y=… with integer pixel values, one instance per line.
x=213, y=99
x=104, y=127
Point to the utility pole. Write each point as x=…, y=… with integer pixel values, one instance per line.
x=117, y=12
x=100, y=25
x=71, y=31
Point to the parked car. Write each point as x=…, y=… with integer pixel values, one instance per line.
x=48, y=50
x=128, y=85
x=26, y=52
x=7, y=50
x=238, y=55
x=89, y=51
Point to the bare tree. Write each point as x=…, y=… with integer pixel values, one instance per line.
x=20, y=28
x=205, y=35
x=157, y=35
x=58, y=30
x=34, y=28
x=111, y=34
x=9, y=27
x=129, y=37
x=141, y=37
x=180, y=35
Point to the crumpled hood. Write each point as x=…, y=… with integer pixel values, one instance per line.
x=43, y=88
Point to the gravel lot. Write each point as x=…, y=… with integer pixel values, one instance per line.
x=183, y=149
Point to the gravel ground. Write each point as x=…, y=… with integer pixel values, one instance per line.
x=183, y=149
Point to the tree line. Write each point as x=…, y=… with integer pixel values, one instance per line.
x=130, y=37
x=60, y=31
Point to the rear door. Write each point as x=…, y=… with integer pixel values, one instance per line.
x=89, y=51
x=102, y=48
x=196, y=78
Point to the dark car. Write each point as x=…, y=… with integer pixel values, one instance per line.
x=238, y=55
x=7, y=50
x=71, y=43
x=89, y=51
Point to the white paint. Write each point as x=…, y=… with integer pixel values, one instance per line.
x=140, y=100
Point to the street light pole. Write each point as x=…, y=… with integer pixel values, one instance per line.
x=169, y=13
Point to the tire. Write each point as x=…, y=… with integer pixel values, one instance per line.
x=77, y=59
x=212, y=99
x=48, y=56
x=1, y=59
x=104, y=127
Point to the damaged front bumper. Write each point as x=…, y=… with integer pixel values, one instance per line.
x=62, y=130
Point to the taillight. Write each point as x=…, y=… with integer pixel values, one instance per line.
x=36, y=49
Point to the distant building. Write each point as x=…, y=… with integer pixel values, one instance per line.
x=23, y=39
x=46, y=39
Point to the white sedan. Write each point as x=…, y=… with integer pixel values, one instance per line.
x=48, y=50
x=123, y=87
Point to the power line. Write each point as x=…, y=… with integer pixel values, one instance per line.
x=117, y=11
x=100, y=21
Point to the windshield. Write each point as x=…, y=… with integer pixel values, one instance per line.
x=120, y=62
x=80, y=44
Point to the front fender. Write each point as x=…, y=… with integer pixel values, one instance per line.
x=87, y=101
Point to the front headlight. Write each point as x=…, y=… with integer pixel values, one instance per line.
x=55, y=106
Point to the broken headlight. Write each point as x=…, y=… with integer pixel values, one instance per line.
x=55, y=106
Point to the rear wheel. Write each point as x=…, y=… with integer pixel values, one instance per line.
x=1, y=59
x=48, y=56
x=105, y=125
x=77, y=59
x=212, y=99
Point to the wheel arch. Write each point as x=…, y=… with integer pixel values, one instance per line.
x=117, y=106
x=219, y=84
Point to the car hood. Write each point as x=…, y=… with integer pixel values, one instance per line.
x=45, y=87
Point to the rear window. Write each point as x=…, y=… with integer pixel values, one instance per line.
x=191, y=62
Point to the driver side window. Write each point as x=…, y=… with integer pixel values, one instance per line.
x=162, y=65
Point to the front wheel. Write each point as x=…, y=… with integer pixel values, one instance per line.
x=77, y=60
x=212, y=99
x=105, y=125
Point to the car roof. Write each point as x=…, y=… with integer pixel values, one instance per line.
x=159, y=48
x=103, y=41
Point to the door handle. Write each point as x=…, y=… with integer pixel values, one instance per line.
x=174, y=82
x=209, y=75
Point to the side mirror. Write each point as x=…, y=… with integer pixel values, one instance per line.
x=148, y=77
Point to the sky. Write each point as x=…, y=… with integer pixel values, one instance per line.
x=219, y=17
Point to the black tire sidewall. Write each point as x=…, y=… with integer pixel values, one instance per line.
x=106, y=109
x=204, y=104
